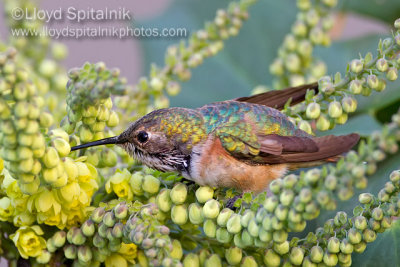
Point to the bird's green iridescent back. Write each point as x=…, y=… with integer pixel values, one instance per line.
x=238, y=124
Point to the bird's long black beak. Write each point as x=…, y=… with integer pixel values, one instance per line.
x=106, y=141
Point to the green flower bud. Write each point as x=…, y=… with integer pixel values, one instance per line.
x=196, y=214
x=365, y=198
x=286, y=197
x=275, y=186
x=109, y=219
x=360, y=222
x=179, y=214
x=360, y=247
x=290, y=42
x=276, y=68
x=75, y=236
x=304, y=4
x=253, y=228
x=356, y=86
x=117, y=230
x=98, y=214
x=46, y=120
x=323, y=124
x=397, y=23
x=317, y=35
x=176, y=252
x=312, y=176
x=249, y=261
x=373, y=224
x=44, y=257
x=85, y=254
x=356, y=65
x=70, y=252
x=382, y=65
x=377, y=214
x=293, y=62
x=233, y=255
x=211, y=209
x=349, y=104
x=191, y=260
x=224, y=216
x=98, y=241
x=271, y=258
x=88, y=228
x=136, y=182
x=276, y=223
x=270, y=203
x=280, y=236
x=223, y=236
x=296, y=256
x=204, y=193
x=391, y=74
x=386, y=222
x=316, y=254
x=330, y=259
x=354, y=236
x=209, y=228
x=305, y=126
x=335, y=109
x=113, y=120
x=281, y=212
x=346, y=247
x=333, y=245
x=299, y=28
x=59, y=239
x=114, y=245
x=246, y=239
x=178, y=193
x=151, y=185
x=121, y=211
x=173, y=88
x=233, y=225
x=85, y=134
x=63, y=148
x=294, y=216
x=281, y=248
x=369, y=235
x=51, y=158
x=372, y=81
x=163, y=200
x=395, y=176
x=213, y=261
x=313, y=110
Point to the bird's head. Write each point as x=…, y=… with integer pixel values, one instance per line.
x=155, y=139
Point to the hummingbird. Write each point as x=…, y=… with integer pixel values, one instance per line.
x=244, y=143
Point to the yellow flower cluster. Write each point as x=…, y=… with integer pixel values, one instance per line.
x=119, y=184
x=28, y=241
x=124, y=257
x=61, y=207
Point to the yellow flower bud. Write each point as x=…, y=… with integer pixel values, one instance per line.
x=63, y=148
x=204, y=193
x=6, y=209
x=151, y=184
x=176, y=252
x=113, y=120
x=51, y=158
x=179, y=214
x=28, y=241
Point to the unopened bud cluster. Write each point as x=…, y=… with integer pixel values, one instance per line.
x=335, y=99
x=149, y=93
x=295, y=64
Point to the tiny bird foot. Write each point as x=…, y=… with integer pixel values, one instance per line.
x=231, y=202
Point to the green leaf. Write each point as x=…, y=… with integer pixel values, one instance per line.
x=385, y=10
x=384, y=251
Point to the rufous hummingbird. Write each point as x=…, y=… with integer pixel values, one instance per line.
x=243, y=143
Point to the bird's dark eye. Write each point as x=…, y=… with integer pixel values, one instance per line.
x=142, y=137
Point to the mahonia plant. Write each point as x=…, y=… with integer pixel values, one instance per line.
x=100, y=207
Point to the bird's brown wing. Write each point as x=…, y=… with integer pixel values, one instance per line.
x=278, y=98
x=327, y=148
x=276, y=149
